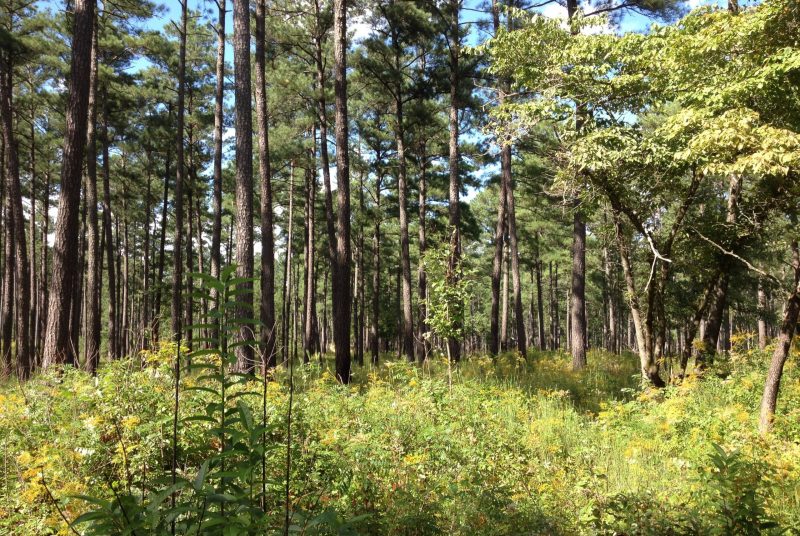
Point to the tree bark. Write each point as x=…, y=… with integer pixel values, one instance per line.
x=762, y=315
x=219, y=95
x=422, y=276
x=243, y=122
x=497, y=269
x=454, y=190
x=57, y=348
x=113, y=349
x=649, y=366
x=93, y=290
x=578, y=310
x=782, y=348
x=267, y=311
x=341, y=280
x=219, y=89
x=711, y=336
x=310, y=309
x=177, y=255
x=407, y=326
x=374, y=334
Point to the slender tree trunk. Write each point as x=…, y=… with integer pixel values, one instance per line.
x=93, y=290
x=34, y=309
x=17, y=224
x=341, y=280
x=516, y=280
x=7, y=309
x=243, y=123
x=57, y=348
x=287, y=271
x=649, y=366
x=540, y=304
x=43, y=279
x=267, y=311
x=176, y=323
x=762, y=315
x=113, y=349
x=454, y=209
x=497, y=269
x=374, y=334
x=578, y=311
x=407, y=325
x=309, y=341
x=159, y=283
x=424, y=343
x=146, y=289
x=782, y=348
x=216, y=225
x=504, y=305
x=358, y=317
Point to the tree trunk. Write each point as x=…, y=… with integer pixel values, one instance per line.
x=341, y=279
x=782, y=348
x=93, y=290
x=540, y=305
x=407, y=325
x=762, y=315
x=243, y=122
x=17, y=224
x=287, y=271
x=374, y=333
x=497, y=269
x=216, y=225
x=578, y=311
x=649, y=366
x=424, y=343
x=177, y=247
x=454, y=190
x=310, y=309
x=267, y=310
x=57, y=348
x=159, y=283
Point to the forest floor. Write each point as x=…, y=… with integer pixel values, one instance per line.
x=508, y=447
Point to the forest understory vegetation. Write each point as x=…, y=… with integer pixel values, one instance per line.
x=511, y=447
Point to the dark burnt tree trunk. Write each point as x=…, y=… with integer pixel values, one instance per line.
x=57, y=348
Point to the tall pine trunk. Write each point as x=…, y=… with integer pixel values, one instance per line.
x=341, y=276
x=57, y=347
x=454, y=189
x=219, y=88
x=176, y=324
x=93, y=290
x=243, y=122
x=267, y=310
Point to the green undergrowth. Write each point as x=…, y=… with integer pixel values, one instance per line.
x=512, y=447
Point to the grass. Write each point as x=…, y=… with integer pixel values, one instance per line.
x=514, y=447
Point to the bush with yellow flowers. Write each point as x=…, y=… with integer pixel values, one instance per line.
x=514, y=446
